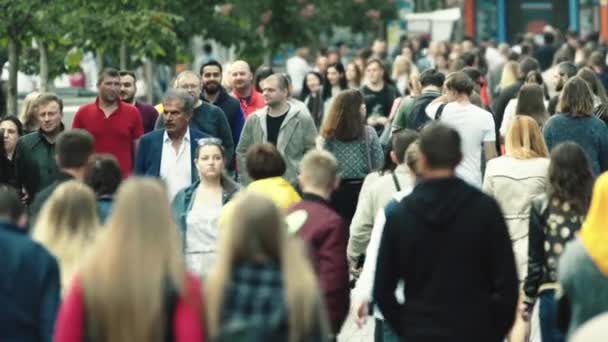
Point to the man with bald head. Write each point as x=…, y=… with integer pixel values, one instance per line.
x=281, y=123
x=243, y=88
x=207, y=118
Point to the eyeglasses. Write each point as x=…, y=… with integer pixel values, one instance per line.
x=209, y=141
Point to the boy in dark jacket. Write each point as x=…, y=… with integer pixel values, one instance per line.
x=450, y=245
x=323, y=231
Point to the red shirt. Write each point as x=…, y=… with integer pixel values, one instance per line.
x=250, y=104
x=187, y=326
x=113, y=134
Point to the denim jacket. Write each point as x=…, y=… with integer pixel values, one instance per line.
x=183, y=201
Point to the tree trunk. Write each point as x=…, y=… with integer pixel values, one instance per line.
x=13, y=60
x=44, y=65
x=99, y=59
x=123, y=55
x=149, y=77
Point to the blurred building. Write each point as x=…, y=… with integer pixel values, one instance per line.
x=504, y=20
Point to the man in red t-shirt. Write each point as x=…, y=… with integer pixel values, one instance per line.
x=244, y=89
x=115, y=125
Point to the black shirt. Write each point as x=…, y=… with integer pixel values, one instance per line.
x=379, y=102
x=273, y=125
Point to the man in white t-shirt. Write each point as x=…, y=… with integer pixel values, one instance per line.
x=475, y=125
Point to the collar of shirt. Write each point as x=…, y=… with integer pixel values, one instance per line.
x=167, y=139
x=118, y=101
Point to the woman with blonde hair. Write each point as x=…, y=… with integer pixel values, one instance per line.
x=134, y=285
x=514, y=179
x=509, y=76
x=403, y=70
x=262, y=287
x=28, y=114
x=67, y=227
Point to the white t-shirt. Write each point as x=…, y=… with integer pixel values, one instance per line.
x=475, y=126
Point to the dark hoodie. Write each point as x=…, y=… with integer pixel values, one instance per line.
x=450, y=245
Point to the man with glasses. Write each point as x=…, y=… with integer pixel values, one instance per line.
x=206, y=117
x=115, y=125
x=169, y=153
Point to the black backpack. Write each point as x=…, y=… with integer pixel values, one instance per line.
x=418, y=117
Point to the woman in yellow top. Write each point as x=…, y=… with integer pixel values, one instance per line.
x=266, y=167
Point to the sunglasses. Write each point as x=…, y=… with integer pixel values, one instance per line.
x=209, y=141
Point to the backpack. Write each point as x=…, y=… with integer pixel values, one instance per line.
x=418, y=117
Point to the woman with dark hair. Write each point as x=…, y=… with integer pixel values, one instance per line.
x=335, y=81
x=104, y=178
x=575, y=122
x=600, y=100
x=312, y=95
x=555, y=217
x=529, y=102
x=353, y=76
x=260, y=74
x=266, y=168
x=11, y=130
x=355, y=146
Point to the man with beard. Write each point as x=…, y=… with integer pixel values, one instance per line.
x=565, y=71
x=128, y=88
x=115, y=125
x=34, y=158
x=213, y=92
x=244, y=90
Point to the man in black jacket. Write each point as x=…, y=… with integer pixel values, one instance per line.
x=29, y=278
x=448, y=242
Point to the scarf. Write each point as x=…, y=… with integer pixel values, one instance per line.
x=594, y=233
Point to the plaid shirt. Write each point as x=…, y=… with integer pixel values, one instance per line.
x=255, y=296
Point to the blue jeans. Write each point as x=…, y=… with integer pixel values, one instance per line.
x=547, y=314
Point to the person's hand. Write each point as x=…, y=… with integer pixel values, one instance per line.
x=381, y=120
x=360, y=313
x=525, y=311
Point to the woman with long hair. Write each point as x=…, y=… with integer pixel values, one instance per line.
x=600, y=100
x=514, y=179
x=335, y=81
x=575, y=122
x=11, y=130
x=29, y=113
x=134, y=285
x=402, y=73
x=353, y=75
x=509, y=76
x=355, y=145
x=583, y=267
x=555, y=216
x=529, y=102
x=312, y=95
x=197, y=208
x=262, y=287
x=67, y=227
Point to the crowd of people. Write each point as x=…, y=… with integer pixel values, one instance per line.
x=454, y=191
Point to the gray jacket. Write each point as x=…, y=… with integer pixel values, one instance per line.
x=296, y=136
